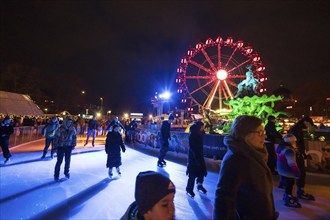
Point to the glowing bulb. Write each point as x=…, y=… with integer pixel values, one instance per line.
x=222, y=74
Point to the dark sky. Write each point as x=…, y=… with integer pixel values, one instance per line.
x=127, y=50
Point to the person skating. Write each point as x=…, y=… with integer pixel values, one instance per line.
x=288, y=169
x=48, y=132
x=196, y=164
x=297, y=131
x=114, y=143
x=165, y=136
x=92, y=126
x=6, y=129
x=65, y=140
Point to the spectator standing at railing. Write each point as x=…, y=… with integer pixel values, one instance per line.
x=6, y=129
x=48, y=132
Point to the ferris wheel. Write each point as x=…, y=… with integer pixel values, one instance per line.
x=210, y=73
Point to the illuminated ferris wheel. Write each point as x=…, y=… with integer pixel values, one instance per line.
x=210, y=73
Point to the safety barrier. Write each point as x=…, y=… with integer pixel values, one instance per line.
x=25, y=134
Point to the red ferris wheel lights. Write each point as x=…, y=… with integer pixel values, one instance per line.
x=256, y=58
x=248, y=49
x=179, y=90
x=229, y=40
x=260, y=68
x=239, y=44
x=183, y=60
x=198, y=46
x=219, y=39
x=208, y=41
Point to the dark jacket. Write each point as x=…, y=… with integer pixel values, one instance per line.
x=165, y=131
x=114, y=142
x=65, y=136
x=196, y=162
x=245, y=184
x=92, y=124
x=132, y=213
x=6, y=131
x=273, y=135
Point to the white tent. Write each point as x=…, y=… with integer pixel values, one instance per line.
x=18, y=104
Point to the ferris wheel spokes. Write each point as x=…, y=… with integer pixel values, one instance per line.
x=211, y=96
x=206, y=84
x=239, y=65
x=231, y=56
x=209, y=60
x=200, y=66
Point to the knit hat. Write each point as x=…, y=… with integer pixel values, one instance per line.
x=289, y=138
x=151, y=187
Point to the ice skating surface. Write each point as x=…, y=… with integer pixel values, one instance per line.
x=28, y=190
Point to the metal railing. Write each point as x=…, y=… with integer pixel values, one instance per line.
x=25, y=134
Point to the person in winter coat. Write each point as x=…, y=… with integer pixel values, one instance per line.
x=196, y=164
x=49, y=131
x=131, y=130
x=92, y=126
x=113, y=144
x=65, y=140
x=245, y=185
x=6, y=129
x=165, y=136
x=288, y=169
x=273, y=136
x=297, y=131
x=154, y=195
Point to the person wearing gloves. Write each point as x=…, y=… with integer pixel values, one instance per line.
x=154, y=195
x=245, y=185
x=196, y=164
x=113, y=144
x=288, y=169
x=65, y=140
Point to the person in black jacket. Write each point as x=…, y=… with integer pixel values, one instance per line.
x=6, y=129
x=113, y=144
x=92, y=125
x=196, y=164
x=273, y=137
x=165, y=135
x=297, y=130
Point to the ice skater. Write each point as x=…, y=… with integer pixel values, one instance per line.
x=92, y=125
x=6, y=129
x=165, y=136
x=48, y=132
x=113, y=144
x=288, y=169
x=196, y=164
x=65, y=140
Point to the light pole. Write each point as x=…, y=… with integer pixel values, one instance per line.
x=101, y=108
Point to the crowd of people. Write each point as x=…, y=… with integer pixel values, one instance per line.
x=254, y=154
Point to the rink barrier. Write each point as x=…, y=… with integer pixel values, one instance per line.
x=213, y=144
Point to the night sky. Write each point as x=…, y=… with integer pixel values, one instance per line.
x=125, y=51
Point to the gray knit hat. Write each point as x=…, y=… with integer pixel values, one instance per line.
x=151, y=187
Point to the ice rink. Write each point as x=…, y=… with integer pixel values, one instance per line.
x=28, y=190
